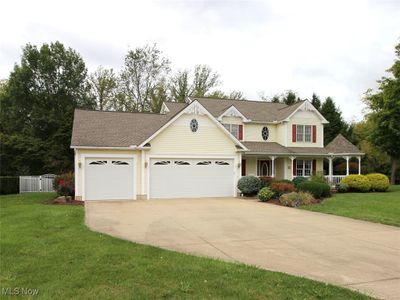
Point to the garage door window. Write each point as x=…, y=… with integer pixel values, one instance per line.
x=182, y=163
x=162, y=163
x=98, y=162
x=222, y=163
x=120, y=163
x=204, y=163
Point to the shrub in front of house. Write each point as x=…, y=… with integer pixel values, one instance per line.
x=342, y=187
x=379, y=182
x=265, y=194
x=317, y=189
x=280, y=188
x=295, y=199
x=64, y=185
x=318, y=177
x=357, y=183
x=266, y=180
x=249, y=185
x=299, y=179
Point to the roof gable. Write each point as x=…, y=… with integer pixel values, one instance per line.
x=286, y=113
x=340, y=145
x=232, y=111
x=197, y=109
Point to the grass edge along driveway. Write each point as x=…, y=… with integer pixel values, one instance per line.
x=48, y=247
x=381, y=207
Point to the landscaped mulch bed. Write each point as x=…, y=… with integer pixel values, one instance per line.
x=63, y=201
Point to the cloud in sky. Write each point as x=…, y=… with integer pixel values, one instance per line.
x=334, y=48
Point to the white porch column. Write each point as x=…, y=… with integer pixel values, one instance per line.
x=359, y=165
x=347, y=165
x=273, y=166
x=292, y=158
x=330, y=171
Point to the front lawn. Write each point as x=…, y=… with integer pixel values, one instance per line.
x=49, y=248
x=375, y=207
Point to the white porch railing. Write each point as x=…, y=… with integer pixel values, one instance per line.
x=42, y=183
x=335, y=179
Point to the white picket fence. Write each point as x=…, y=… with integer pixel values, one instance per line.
x=43, y=183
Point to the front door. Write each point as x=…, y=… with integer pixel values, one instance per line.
x=263, y=168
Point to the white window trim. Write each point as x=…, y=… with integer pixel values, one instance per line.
x=230, y=127
x=303, y=168
x=302, y=138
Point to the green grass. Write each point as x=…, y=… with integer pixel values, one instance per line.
x=49, y=248
x=375, y=207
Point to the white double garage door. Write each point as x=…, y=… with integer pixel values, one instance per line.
x=114, y=179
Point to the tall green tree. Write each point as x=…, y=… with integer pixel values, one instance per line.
x=290, y=98
x=37, y=106
x=144, y=69
x=384, y=105
x=158, y=96
x=103, y=88
x=180, y=86
x=336, y=123
x=234, y=95
x=204, y=81
x=315, y=101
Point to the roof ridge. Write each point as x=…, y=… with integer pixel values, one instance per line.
x=291, y=105
x=238, y=100
x=119, y=111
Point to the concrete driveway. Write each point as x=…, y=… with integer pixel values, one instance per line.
x=354, y=254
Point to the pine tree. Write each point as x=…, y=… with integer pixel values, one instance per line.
x=315, y=101
x=336, y=123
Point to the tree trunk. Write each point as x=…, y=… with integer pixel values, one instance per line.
x=393, y=173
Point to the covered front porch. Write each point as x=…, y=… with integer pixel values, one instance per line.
x=289, y=167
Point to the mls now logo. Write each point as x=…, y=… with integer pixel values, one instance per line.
x=21, y=291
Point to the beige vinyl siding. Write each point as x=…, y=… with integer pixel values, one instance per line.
x=279, y=168
x=281, y=133
x=252, y=132
x=232, y=120
x=179, y=139
x=79, y=158
x=251, y=166
x=305, y=118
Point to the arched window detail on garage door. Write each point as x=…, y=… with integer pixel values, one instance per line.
x=222, y=163
x=181, y=163
x=98, y=162
x=162, y=163
x=120, y=163
x=204, y=163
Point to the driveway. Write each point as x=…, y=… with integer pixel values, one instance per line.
x=351, y=253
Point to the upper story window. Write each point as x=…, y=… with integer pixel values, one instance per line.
x=265, y=133
x=303, y=133
x=233, y=129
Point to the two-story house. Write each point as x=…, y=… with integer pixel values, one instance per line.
x=198, y=149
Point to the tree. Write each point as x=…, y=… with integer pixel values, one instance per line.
x=384, y=105
x=37, y=106
x=204, y=81
x=144, y=69
x=103, y=88
x=315, y=101
x=234, y=95
x=179, y=86
x=290, y=98
x=159, y=95
x=334, y=116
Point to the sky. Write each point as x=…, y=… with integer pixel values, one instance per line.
x=333, y=48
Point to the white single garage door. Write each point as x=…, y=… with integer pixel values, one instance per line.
x=109, y=179
x=191, y=178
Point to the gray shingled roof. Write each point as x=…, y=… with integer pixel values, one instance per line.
x=258, y=111
x=340, y=145
x=275, y=148
x=114, y=129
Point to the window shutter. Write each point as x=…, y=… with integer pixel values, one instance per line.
x=314, y=166
x=243, y=167
x=294, y=133
x=294, y=167
x=240, y=132
x=314, y=134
